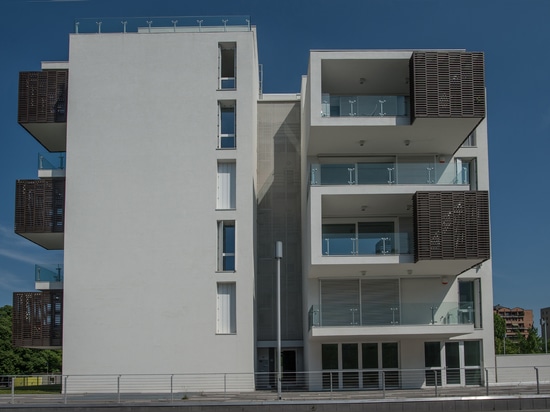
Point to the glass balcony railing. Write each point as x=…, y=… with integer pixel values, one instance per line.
x=379, y=244
x=364, y=106
x=50, y=164
x=408, y=314
x=43, y=274
x=421, y=172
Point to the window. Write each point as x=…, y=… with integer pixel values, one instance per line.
x=226, y=125
x=226, y=316
x=470, y=140
x=226, y=65
x=226, y=245
x=226, y=185
x=469, y=297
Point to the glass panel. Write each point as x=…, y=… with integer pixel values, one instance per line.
x=432, y=359
x=390, y=359
x=350, y=360
x=338, y=174
x=466, y=299
x=376, y=238
x=452, y=363
x=472, y=357
x=375, y=173
x=227, y=127
x=329, y=361
x=370, y=361
x=416, y=170
x=338, y=239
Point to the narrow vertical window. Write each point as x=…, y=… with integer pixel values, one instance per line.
x=226, y=185
x=226, y=308
x=226, y=245
x=226, y=65
x=227, y=125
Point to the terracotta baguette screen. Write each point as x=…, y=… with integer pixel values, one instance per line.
x=40, y=206
x=38, y=318
x=43, y=96
x=448, y=84
x=451, y=225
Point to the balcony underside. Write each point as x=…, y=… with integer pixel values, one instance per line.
x=383, y=135
x=53, y=136
x=49, y=241
x=388, y=265
x=391, y=332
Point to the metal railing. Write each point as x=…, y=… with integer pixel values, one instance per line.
x=398, y=172
x=162, y=24
x=44, y=274
x=405, y=314
x=387, y=383
x=363, y=106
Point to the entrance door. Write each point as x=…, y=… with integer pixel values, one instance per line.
x=289, y=366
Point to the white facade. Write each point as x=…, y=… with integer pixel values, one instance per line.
x=181, y=176
x=144, y=292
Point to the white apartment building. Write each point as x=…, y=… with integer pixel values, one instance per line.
x=181, y=175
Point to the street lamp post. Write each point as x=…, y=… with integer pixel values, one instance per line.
x=278, y=257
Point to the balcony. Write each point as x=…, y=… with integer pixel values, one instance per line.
x=433, y=100
x=395, y=232
x=49, y=167
x=42, y=108
x=40, y=211
x=48, y=278
x=423, y=319
x=393, y=170
x=38, y=319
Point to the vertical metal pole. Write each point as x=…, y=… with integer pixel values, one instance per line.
x=538, y=382
x=384, y=384
x=65, y=390
x=487, y=381
x=279, y=256
x=225, y=383
x=435, y=375
x=118, y=387
x=13, y=389
x=171, y=388
x=330, y=374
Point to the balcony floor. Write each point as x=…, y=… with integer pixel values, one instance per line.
x=392, y=332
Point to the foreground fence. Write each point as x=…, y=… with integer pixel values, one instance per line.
x=327, y=384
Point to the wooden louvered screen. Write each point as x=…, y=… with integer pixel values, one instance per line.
x=43, y=96
x=37, y=319
x=451, y=225
x=447, y=84
x=40, y=206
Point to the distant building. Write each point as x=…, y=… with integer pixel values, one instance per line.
x=517, y=319
x=544, y=317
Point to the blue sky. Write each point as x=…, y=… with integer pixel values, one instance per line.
x=514, y=34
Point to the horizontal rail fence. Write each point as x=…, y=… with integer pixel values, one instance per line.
x=249, y=387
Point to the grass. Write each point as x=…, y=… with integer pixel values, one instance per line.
x=32, y=390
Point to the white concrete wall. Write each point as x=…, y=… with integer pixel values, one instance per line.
x=141, y=235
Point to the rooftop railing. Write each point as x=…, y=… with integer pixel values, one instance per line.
x=162, y=24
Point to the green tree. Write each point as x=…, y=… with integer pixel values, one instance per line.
x=532, y=343
x=499, y=330
x=22, y=361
